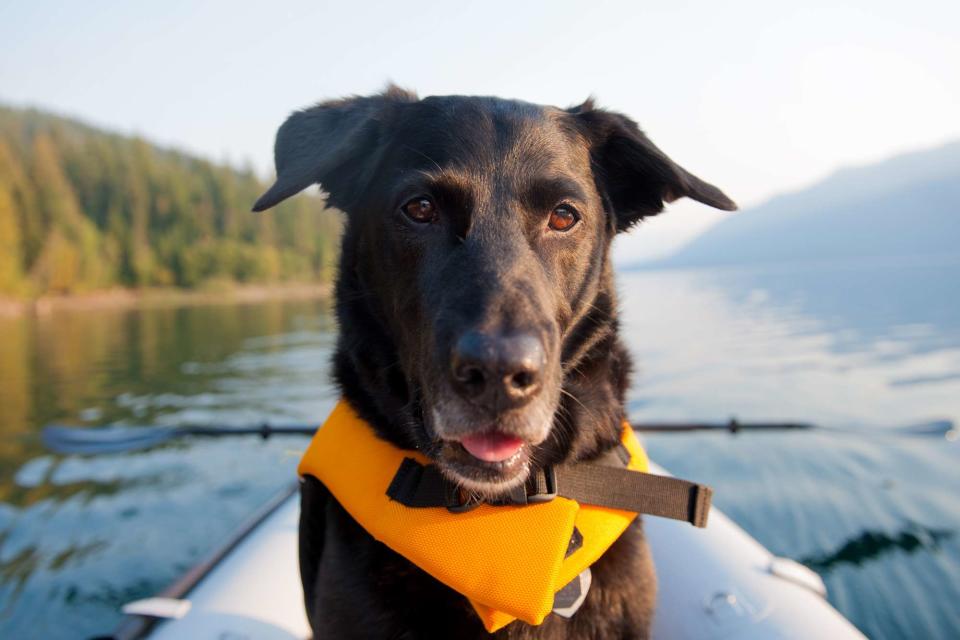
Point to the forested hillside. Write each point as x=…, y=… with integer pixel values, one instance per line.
x=83, y=209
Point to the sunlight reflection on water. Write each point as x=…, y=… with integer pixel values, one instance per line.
x=876, y=345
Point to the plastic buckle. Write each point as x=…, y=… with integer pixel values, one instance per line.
x=551, y=479
x=458, y=502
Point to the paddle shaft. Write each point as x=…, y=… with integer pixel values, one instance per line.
x=266, y=430
x=733, y=426
x=119, y=439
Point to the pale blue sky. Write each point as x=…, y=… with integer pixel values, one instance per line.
x=756, y=96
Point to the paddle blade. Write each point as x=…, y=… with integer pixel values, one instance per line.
x=938, y=428
x=74, y=440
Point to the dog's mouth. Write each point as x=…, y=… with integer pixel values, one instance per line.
x=492, y=446
x=488, y=462
x=486, y=452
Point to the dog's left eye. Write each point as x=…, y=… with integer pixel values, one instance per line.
x=563, y=218
x=420, y=209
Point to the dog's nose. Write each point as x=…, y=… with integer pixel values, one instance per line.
x=501, y=372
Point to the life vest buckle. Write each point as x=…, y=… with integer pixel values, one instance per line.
x=547, y=492
x=459, y=501
x=534, y=491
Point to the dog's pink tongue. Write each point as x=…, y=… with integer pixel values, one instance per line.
x=492, y=446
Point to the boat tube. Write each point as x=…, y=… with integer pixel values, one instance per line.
x=714, y=583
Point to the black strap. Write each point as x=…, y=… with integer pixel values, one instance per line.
x=416, y=485
x=603, y=483
x=635, y=491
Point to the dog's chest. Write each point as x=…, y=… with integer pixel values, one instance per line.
x=363, y=585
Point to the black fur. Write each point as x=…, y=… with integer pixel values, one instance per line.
x=406, y=291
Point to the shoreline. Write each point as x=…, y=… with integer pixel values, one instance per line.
x=141, y=298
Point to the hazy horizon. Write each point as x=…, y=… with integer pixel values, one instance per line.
x=756, y=99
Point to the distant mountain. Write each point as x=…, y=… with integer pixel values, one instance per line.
x=905, y=206
x=84, y=209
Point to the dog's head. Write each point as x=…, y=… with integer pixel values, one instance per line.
x=475, y=282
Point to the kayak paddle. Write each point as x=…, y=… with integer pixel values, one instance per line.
x=118, y=439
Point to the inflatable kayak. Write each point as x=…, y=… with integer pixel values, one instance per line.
x=714, y=583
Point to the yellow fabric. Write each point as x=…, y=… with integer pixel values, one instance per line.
x=507, y=560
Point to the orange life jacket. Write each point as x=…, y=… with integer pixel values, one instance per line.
x=508, y=561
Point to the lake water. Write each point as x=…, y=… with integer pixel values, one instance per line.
x=868, y=345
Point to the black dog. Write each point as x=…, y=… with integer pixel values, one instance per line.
x=478, y=324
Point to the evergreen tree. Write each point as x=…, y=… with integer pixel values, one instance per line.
x=82, y=209
x=11, y=276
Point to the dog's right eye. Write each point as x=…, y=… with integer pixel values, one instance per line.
x=563, y=218
x=420, y=209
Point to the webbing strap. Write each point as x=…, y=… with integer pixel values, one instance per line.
x=599, y=484
x=416, y=485
x=635, y=491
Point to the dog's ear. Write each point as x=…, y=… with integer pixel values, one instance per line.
x=634, y=174
x=331, y=144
